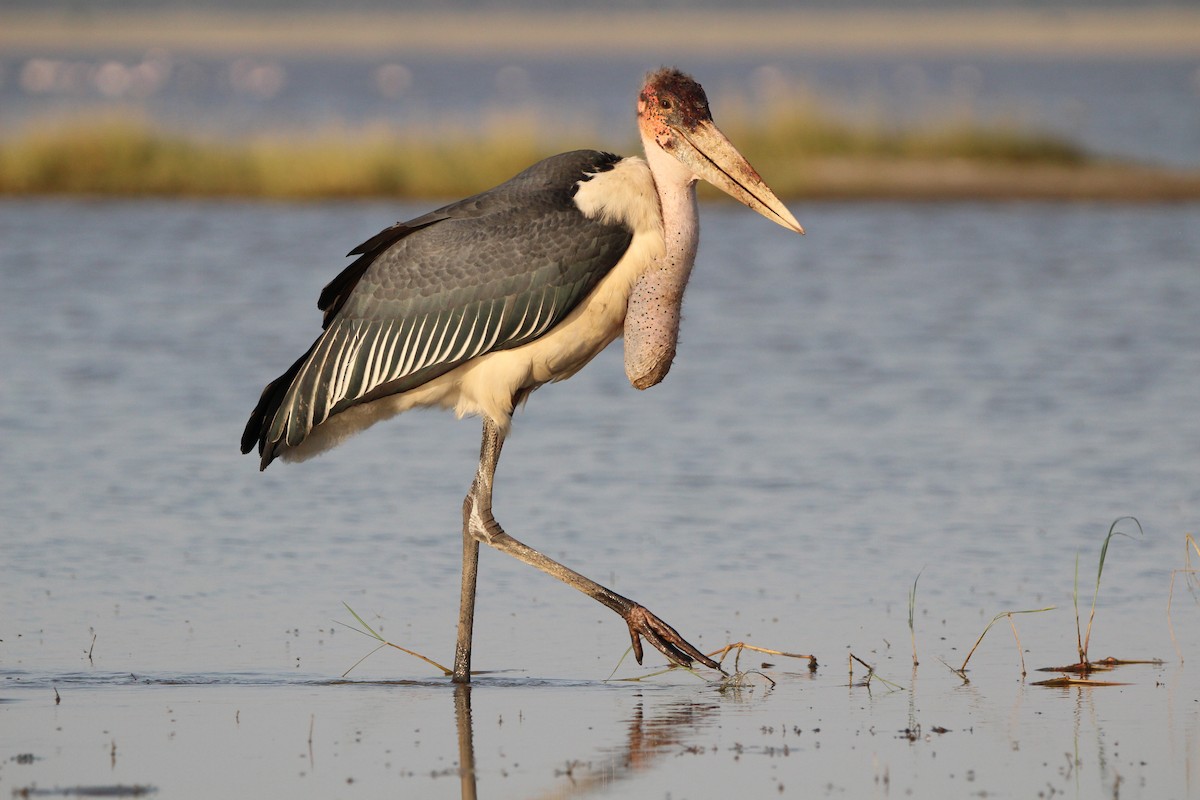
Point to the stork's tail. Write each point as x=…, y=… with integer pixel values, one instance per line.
x=258, y=427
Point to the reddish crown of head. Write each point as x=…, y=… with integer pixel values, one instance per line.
x=671, y=98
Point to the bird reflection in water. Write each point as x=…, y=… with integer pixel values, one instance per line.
x=650, y=737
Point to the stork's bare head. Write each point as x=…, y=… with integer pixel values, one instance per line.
x=673, y=116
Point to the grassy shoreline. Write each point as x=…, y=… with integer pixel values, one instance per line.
x=803, y=157
x=802, y=152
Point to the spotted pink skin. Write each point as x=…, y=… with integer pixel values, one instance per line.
x=655, y=303
x=652, y=322
x=669, y=100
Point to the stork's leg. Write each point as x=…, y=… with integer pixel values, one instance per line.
x=466, y=607
x=480, y=526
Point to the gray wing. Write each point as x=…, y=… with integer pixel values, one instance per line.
x=490, y=272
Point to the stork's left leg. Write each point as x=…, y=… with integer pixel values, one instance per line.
x=479, y=525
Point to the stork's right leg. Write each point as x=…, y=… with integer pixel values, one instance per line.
x=466, y=607
x=479, y=525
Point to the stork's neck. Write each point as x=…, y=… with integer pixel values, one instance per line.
x=676, y=187
x=652, y=316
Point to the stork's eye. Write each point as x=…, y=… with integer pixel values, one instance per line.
x=665, y=103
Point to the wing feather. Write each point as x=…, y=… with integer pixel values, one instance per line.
x=491, y=272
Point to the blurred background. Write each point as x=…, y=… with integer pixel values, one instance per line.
x=966, y=392
x=1056, y=83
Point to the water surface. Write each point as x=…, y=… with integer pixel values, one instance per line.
x=969, y=392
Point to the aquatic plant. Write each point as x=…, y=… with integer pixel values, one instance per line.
x=1190, y=578
x=1084, y=639
x=962, y=671
x=912, y=605
x=367, y=630
x=871, y=674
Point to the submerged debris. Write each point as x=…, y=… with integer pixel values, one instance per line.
x=1068, y=680
x=1077, y=674
x=740, y=646
x=116, y=790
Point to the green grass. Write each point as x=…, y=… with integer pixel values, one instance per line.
x=1083, y=639
x=912, y=610
x=124, y=155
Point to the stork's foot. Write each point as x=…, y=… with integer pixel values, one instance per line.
x=663, y=637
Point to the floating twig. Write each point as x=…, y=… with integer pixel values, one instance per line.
x=870, y=674
x=720, y=656
x=367, y=630
x=740, y=646
x=1068, y=680
x=1103, y=665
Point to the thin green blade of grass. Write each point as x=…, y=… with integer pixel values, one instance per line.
x=367, y=630
x=912, y=604
x=364, y=658
x=1112, y=531
x=371, y=631
x=1078, y=623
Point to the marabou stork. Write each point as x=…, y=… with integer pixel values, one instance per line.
x=476, y=304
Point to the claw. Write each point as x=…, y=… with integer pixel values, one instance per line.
x=663, y=637
x=637, y=643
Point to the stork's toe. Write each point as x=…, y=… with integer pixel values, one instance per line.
x=643, y=624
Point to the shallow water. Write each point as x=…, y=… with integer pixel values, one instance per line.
x=968, y=392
